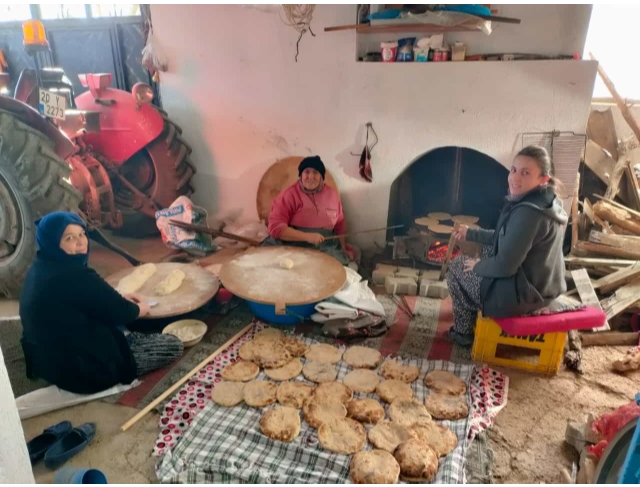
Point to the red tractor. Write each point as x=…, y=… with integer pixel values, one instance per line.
x=108, y=154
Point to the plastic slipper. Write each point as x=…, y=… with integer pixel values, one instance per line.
x=72, y=475
x=40, y=444
x=70, y=445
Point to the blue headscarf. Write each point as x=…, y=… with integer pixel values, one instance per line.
x=49, y=231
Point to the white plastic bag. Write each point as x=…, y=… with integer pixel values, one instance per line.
x=153, y=56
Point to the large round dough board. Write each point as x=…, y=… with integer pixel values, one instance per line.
x=257, y=276
x=198, y=287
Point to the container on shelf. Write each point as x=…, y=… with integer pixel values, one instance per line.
x=389, y=51
x=458, y=51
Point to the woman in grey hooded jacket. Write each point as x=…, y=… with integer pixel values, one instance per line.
x=522, y=266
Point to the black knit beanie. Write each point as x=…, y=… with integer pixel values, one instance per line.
x=313, y=162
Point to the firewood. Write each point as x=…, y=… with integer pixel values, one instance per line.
x=633, y=187
x=617, y=279
x=574, y=213
x=618, y=241
x=629, y=361
x=600, y=163
x=586, y=292
x=609, y=338
x=591, y=261
x=625, y=297
x=621, y=217
x=618, y=205
x=599, y=249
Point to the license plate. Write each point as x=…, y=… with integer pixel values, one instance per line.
x=52, y=105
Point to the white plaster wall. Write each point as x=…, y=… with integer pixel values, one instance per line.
x=234, y=87
x=15, y=467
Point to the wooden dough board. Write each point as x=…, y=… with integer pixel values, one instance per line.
x=256, y=276
x=199, y=287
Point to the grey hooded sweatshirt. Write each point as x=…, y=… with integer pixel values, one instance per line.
x=526, y=270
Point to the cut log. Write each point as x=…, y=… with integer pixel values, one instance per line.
x=623, y=298
x=587, y=295
x=614, y=214
x=600, y=163
x=599, y=249
x=630, y=244
x=609, y=338
x=602, y=130
x=618, y=205
x=620, y=278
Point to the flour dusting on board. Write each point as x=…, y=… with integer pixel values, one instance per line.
x=257, y=275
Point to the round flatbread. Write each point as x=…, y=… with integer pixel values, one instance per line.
x=318, y=412
x=362, y=357
x=366, y=410
x=389, y=390
x=228, y=394
x=295, y=347
x=333, y=390
x=440, y=216
x=286, y=372
x=441, y=229
x=446, y=406
x=319, y=372
x=426, y=221
x=445, y=382
x=269, y=334
x=294, y=394
x=408, y=411
x=465, y=219
x=362, y=380
x=440, y=438
x=391, y=369
x=241, y=371
x=418, y=462
x=270, y=354
x=281, y=423
x=247, y=350
x=345, y=436
x=321, y=352
x=260, y=393
x=374, y=467
x=387, y=435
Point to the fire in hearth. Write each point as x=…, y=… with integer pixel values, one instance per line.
x=438, y=251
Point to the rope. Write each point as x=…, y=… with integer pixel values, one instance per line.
x=299, y=17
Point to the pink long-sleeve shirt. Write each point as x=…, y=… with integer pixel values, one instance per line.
x=295, y=208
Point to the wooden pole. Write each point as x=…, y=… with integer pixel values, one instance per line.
x=624, y=109
x=332, y=237
x=574, y=213
x=447, y=258
x=184, y=379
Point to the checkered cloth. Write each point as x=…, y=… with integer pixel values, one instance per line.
x=225, y=445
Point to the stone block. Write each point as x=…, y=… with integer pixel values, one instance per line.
x=573, y=435
x=401, y=285
x=379, y=275
x=438, y=290
x=424, y=284
x=408, y=272
x=382, y=267
x=433, y=275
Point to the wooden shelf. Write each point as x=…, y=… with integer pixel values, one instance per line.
x=395, y=28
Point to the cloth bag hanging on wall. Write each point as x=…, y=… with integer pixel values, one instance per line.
x=364, y=166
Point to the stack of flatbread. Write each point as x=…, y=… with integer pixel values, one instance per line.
x=407, y=441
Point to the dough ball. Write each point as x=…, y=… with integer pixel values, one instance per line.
x=286, y=263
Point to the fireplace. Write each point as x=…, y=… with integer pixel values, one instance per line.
x=449, y=180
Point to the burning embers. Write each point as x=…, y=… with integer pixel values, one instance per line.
x=438, y=251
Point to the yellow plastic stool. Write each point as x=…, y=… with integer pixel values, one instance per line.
x=489, y=336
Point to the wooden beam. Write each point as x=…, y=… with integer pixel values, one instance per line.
x=574, y=213
x=609, y=338
x=623, y=298
x=599, y=249
x=618, y=241
x=624, y=109
x=618, y=205
x=591, y=262
x=619, y=278
x=586, y=292
x=614, y=182
x=624, y=218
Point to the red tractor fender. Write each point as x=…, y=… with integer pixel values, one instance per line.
x=125, y=126
x=64, y=147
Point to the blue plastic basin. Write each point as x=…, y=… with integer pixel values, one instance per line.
x=294, y=315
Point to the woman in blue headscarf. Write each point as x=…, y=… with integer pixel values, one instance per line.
x=73, y=321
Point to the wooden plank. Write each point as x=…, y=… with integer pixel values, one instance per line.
x=587, y=209
x=618, y=205
x=591, y=261
x=618, y=241
x=602, y=130
x=587, y=293
x=632, y=186
x=609, y=338
x=624, y=218
x=600, y=163
x=623, y=298
x=616, y=177
x=574, y=212
x=599, y=249
x=617, y=279
x=624, y=109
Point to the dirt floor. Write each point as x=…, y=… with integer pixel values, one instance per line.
x=527, y=438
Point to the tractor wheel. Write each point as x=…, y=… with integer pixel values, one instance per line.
x=162, y=171
x=33, y=182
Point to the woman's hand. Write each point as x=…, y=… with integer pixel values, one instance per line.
x=314, y=239
x=461, y=233
x=469, y=264
x=144, y=309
